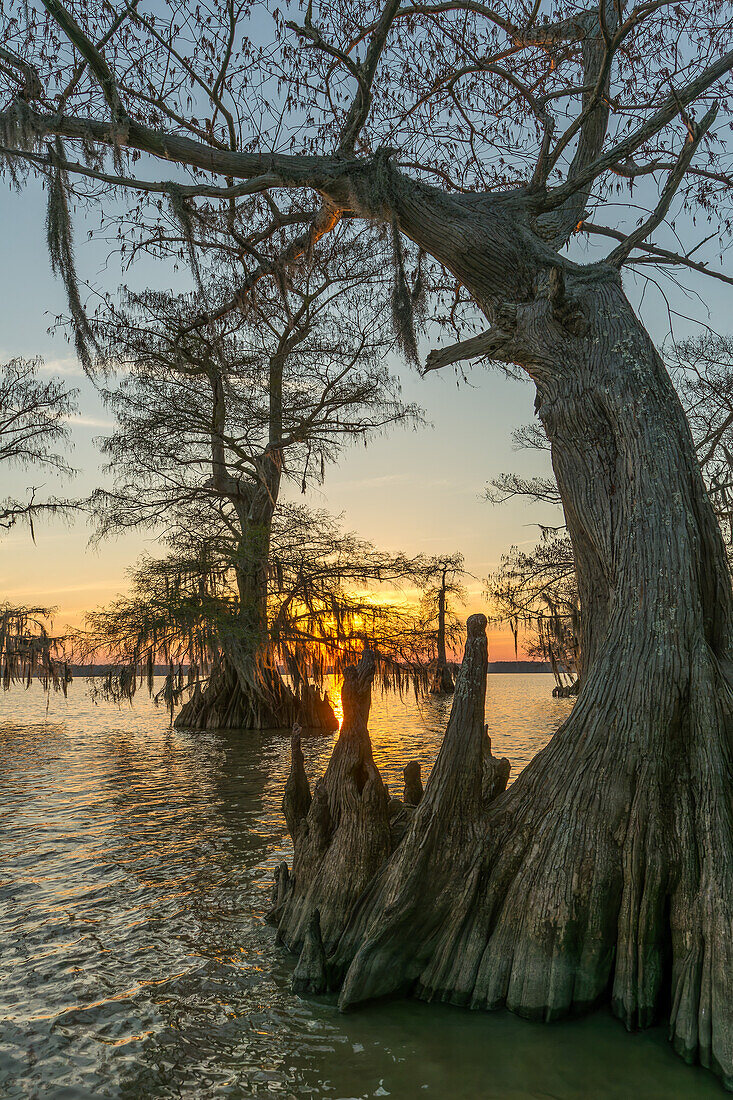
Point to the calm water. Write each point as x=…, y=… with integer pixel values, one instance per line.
x=135, y=865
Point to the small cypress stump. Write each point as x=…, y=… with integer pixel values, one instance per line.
x=342, y=835
x=413, y=784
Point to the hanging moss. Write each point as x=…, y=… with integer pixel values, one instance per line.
x=59, y=236
x=184, y=214
x=403, y=313
x=374, y=192
x=19, y=130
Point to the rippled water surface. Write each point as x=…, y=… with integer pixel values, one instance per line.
x=135, y=865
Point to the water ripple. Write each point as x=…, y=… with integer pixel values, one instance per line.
x=135, y=865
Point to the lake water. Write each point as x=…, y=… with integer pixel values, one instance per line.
x=135, y=868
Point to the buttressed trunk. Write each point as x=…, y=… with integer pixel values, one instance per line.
x=606, y=870
x=246, y=689
x=343, y=836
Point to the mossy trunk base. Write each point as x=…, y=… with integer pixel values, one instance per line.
x=229, y=701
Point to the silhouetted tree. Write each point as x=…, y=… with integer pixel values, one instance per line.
x=442, y=590
x=34, y=414
x=537, y=591
x=213, y=422
x=328, y=595
x=702, y=369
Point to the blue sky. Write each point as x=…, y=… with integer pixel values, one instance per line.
x=413, y=490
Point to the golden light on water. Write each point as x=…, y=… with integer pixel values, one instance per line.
x=334, y=695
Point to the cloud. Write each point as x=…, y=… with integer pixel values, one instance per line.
x=68, y=365
x=100, y=586
x=392, y=479
x=65, y=364
x=371, y=482
x=88, y=422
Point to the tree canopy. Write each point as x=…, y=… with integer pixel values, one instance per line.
x=329, y=593
x=554, y=118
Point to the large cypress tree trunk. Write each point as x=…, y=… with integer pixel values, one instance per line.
x=607, y=869
x=245, y=689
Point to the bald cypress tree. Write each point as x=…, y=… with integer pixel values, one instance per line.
x=212, y=425
x=486, y=139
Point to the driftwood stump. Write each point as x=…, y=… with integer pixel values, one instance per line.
x=413, y=784
x=297, y=797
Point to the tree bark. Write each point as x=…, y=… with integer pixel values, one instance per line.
x=607, y=869
x=415, y=892
x=342, y=836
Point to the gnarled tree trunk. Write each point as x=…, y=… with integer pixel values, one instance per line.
x=607, y=869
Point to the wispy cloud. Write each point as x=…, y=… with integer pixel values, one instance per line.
x=372, y=482
x=392, y=479
x=88, y=422
x=95, y=586
x=67, y=365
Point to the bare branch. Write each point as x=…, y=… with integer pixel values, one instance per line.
x=325, y=173
x=161, y=187
x=32, y=87
x=695, y=134
x=627, y=146
x=656, y=254
x=491, y=344
x=93, y=57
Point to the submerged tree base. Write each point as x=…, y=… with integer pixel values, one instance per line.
x=442, y=681
x=597, y=876
x=224, y=703
x=566, y=691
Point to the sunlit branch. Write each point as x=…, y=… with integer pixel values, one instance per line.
x=627, y=146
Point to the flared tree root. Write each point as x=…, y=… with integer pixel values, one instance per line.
x=345, y=835
x=566, y=691
x=441, y=682
x=600, y=875
x=262, y=701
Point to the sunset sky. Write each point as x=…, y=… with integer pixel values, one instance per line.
x=418, y=491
